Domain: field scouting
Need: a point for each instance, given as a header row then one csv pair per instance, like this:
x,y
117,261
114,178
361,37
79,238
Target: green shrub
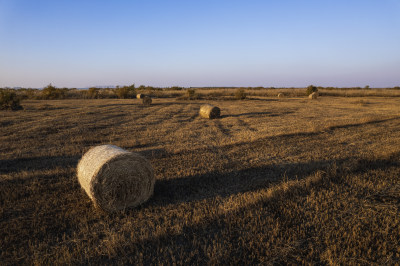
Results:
x,y
9,100
30,93
175,88
190,93
125,92
150,88
311,89
93,92
50,93
23,93
240,94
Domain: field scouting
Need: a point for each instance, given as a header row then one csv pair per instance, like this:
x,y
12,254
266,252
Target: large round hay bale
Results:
x,y
146,100
209,111
140,96
114,178
281,95
313,95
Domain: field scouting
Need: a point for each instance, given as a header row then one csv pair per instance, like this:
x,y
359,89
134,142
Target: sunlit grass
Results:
x,y
285,181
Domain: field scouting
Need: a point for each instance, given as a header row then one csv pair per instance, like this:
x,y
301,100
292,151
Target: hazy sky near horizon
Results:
x,y
286,43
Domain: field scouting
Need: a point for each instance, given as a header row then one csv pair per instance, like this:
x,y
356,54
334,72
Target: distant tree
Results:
x,y
125,92
190,93
149,88
240,94
93,92
50,92
30,93
310,89
176,88
9,100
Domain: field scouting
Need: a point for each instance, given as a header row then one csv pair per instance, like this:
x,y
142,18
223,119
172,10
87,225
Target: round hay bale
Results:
x,y
313,95
140,96
281,95
209,111
146,100
115,179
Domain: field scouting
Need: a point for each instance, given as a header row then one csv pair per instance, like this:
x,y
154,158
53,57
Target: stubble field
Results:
x,y
273,181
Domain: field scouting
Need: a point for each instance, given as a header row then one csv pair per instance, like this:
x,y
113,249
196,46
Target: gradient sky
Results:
x,y
281,43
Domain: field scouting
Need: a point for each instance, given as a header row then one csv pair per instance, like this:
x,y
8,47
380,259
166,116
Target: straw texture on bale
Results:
x,y
140,95
313,95
209,111
146,100
115,179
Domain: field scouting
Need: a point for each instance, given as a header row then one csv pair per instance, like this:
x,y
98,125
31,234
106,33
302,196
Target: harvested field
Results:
x,y
279,181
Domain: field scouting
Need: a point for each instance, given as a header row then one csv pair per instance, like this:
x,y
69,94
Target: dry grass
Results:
x,y
296,92
273,181
146,100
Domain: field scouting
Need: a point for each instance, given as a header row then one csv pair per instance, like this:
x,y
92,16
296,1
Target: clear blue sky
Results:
x,y
81,43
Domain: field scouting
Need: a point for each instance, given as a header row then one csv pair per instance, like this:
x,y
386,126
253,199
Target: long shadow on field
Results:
x,y
214,184
37,163
193,241
113,104
253,114
287,139
248,220
50,162
363,123
226,227
172,103
264,99
138,104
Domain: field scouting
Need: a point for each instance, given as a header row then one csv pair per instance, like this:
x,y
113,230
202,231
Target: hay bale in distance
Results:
x,y
114,178
140,96
281,95
313,95
146,100
209,111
